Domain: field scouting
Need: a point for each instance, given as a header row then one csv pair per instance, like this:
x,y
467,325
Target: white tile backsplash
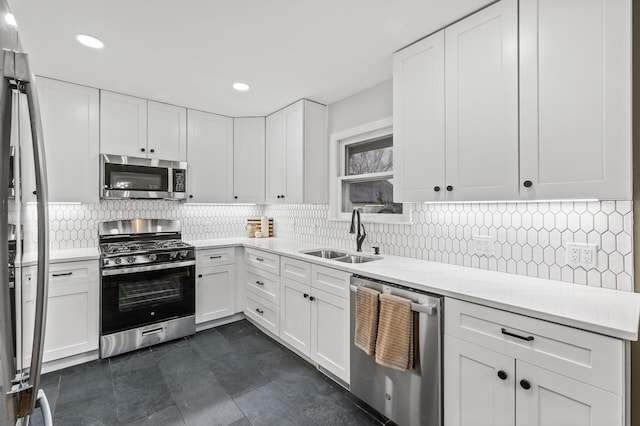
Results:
x,y
530,237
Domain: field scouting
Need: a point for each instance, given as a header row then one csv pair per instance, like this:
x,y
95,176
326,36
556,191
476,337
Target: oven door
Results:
x,y
138,296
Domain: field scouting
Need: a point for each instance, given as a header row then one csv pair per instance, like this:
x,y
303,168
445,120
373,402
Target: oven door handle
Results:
x,y
157,267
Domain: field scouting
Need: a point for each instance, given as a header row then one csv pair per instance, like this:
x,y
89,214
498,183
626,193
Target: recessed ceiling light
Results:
x,y
241,87
10,19
89,41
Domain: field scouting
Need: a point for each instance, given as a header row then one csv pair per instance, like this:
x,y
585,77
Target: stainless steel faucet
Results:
x,y
361,236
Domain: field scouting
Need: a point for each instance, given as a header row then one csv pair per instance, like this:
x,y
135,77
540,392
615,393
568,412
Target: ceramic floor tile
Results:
x,y
141,393
267,406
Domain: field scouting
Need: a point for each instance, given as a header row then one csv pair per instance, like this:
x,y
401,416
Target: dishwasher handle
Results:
x,y
416,307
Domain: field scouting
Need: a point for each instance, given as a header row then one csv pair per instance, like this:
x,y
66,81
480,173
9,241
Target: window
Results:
x,y
362,174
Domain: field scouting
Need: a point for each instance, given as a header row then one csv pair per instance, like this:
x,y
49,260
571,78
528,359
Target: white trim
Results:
x,y
337,141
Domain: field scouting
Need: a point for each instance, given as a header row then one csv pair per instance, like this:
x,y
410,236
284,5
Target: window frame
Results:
x,y
338,142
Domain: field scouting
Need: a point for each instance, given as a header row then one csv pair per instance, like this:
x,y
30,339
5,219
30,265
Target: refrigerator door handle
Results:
x,y
26,84
43,403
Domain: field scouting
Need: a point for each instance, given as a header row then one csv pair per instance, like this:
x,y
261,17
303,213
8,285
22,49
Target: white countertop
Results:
x,y
59,256
610,312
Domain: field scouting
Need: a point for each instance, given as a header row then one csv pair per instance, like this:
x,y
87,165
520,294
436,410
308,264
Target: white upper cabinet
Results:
x,y
123,124
167,132
298,154
210,157
139,128
418,121
481,63
575,99
70,121
249,160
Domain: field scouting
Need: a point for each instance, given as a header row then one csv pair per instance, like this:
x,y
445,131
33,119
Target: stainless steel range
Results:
x,y
147,285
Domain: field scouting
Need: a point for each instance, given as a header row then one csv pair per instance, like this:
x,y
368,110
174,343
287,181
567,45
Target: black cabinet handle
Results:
x,y
215,257
282,196
152,150
63,274
305,295
526,385
190,196
312,298
35,192
527,184
277,196
449,188
259,259
436,188
502,374
517,336
142,150
235,197
199,275
259,283
258,310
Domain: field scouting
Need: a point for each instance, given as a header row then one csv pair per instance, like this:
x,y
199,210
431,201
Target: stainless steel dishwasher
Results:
x,y
411,397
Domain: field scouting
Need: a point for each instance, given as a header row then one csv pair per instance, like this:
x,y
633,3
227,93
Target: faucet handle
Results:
x,y
376,249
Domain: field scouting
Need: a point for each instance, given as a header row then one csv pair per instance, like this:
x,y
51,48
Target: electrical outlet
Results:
x,y
585,255
483,244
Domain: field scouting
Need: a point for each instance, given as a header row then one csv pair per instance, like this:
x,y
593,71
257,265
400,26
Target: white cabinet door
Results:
x,y
295,315
167,132
215,293
210,157
575,99
553,399
330,332
481,62
70,122
249,160
123,124
474,394
275,164
72,310
418,121
293,119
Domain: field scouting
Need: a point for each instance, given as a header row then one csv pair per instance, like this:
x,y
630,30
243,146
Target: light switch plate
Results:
x,y
483,244
579,254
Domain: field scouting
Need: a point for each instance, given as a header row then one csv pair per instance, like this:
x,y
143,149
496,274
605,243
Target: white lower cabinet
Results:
x,y
215,284
506,369
313,321
330,332
262,284
72,310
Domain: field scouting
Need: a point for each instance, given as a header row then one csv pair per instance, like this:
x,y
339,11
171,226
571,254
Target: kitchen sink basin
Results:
x,y
355,259
340,256
325,254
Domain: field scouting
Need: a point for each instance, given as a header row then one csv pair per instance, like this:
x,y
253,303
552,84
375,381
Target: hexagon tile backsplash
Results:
x,y
530,237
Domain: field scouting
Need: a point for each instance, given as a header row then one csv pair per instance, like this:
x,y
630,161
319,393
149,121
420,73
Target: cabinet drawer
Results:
x,y
64,278
215,257
296,270
264,313
263,284
263,260
588,357
330,280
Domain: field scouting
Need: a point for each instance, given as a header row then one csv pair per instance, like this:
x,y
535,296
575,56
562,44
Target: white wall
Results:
x,y
372,104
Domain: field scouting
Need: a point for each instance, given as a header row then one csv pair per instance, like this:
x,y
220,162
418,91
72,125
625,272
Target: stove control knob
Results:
x,y
173,255
153,257
184,253
131,259
106,261
118,260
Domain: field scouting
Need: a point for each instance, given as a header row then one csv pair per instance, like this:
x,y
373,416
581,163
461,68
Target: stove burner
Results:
x,y
124,247
170,244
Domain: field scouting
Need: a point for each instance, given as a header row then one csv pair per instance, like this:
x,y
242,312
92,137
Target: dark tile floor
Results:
x,y
230,375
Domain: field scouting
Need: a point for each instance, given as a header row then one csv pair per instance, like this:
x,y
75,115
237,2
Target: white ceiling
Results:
x,y
189,52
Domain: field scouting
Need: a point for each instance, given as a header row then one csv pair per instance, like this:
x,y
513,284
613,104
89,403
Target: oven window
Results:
x,y
136,178
136,299
149,294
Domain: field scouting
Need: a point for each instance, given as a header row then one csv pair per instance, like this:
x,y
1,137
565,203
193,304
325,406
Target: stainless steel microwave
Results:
x,y
132,177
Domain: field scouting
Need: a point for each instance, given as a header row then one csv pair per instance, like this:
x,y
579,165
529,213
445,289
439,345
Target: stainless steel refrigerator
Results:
x,y
23,232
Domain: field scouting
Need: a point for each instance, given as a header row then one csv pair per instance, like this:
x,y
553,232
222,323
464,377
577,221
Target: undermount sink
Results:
x,y
325,254
340,256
